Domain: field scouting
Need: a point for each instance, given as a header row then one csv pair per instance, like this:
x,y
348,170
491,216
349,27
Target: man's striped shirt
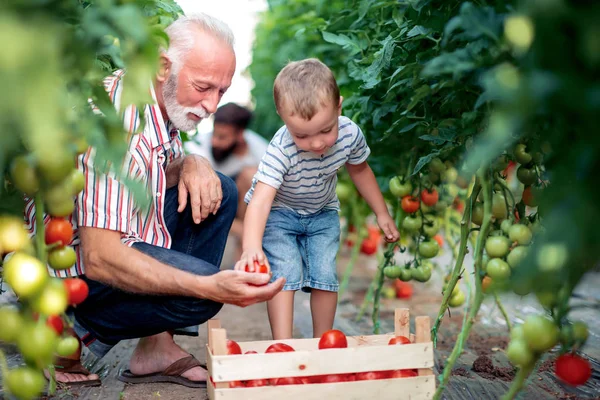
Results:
x,y
105,202
305,181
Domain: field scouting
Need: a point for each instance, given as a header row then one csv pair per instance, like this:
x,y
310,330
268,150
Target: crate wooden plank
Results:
x,y
320,362
402,322
423,334
418,388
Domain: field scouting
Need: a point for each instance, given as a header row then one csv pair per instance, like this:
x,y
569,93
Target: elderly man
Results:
x,y
153,272
233,150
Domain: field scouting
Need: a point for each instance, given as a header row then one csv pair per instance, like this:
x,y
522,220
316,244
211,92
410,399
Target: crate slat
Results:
x,y
418,388
320,362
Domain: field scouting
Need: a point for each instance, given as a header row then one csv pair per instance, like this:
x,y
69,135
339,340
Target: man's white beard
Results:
x,y
177,113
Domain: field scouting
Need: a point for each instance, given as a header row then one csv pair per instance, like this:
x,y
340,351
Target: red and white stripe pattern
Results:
x,y
105,202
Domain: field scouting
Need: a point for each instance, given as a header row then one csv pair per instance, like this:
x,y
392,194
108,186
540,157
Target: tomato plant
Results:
x,y
399,187
62,257
333,339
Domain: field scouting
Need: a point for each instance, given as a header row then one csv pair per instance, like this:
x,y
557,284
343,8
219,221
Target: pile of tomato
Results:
x,y
332,339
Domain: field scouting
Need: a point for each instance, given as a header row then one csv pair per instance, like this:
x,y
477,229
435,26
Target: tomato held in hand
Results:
x,y
257,268
60,231
279,348
410,204
333,339
399,340
77,290
430,197
573,369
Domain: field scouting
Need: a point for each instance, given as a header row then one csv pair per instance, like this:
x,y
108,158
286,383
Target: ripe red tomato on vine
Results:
x,y
58,230
410,204
430,197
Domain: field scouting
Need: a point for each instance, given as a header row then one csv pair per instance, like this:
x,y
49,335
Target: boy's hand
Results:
x,y
253,257
387,225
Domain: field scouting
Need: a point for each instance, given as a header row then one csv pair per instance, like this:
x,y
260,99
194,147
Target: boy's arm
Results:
x,y
255,220
364,179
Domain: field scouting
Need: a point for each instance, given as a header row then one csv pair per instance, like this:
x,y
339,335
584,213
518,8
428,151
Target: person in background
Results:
x,y
233,150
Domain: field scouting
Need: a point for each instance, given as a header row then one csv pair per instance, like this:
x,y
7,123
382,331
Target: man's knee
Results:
x,y
195,311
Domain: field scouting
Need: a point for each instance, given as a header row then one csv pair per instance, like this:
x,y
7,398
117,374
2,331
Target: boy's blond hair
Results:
x,y
303,87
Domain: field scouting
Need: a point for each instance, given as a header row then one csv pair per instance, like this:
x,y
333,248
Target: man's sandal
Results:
x,y
172,374
70,366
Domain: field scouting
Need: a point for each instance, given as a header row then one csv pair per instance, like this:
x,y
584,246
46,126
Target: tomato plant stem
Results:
x,y
503,311
484,179
389,255
362,234
517,383
40,244
460,258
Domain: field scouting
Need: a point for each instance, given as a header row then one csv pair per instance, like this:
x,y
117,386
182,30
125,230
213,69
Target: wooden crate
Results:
x,y
364,353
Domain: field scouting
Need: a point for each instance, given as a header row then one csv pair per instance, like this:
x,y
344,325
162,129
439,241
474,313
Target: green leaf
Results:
x,y
418,31
383,56
342,40
424,161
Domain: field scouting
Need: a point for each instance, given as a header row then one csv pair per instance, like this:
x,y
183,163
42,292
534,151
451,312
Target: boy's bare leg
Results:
x,y
281,314
322,306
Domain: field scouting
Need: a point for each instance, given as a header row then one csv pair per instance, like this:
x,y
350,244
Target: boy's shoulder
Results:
x,y
282,139
346,124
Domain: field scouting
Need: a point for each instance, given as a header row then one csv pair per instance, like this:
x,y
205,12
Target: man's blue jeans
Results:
x,y
109,315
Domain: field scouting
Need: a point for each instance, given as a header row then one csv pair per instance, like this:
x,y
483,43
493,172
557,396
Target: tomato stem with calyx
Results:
x,y
462,252
484,179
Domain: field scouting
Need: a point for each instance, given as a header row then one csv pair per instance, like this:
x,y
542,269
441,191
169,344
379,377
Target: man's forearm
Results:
x,y
133,271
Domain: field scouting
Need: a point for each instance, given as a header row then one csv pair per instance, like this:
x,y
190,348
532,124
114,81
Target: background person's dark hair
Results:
x,y
233,114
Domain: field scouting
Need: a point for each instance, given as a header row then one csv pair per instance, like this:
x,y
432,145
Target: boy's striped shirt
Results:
x,y
305,181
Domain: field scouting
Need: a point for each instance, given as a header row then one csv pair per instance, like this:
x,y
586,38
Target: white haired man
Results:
x,y
154,272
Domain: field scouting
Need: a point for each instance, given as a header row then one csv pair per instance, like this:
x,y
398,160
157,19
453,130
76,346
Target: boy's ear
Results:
x,y
340,105
164,68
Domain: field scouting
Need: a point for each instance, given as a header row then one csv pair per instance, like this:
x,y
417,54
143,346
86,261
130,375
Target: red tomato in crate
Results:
x,y
279,348
334,378
333,339
288,380
236,384
233,347
404,373
372,375
251,352
399,340
257,383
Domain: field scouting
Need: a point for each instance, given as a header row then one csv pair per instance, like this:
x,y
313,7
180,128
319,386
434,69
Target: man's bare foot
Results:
x,y
66,378
156,353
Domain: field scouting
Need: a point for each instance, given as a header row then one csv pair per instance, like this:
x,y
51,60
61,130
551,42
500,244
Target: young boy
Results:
x,y
293,209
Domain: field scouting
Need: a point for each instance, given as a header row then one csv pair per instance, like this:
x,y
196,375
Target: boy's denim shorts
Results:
x,y
303,248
